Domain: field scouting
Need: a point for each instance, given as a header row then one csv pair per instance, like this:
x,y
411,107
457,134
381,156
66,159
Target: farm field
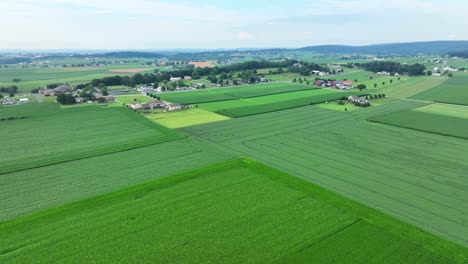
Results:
x,y
453,91
246,205
223,94
50,134
427,122
445,109
414,176
337,107
128,99
414,86
184,118
287,104
275,98
38,189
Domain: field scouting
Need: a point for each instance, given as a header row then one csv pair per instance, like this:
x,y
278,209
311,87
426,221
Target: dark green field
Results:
x,y
229,213
223,94
288,104
453,91
431,123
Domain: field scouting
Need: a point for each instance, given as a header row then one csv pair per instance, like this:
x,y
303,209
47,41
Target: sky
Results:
x,y
210,24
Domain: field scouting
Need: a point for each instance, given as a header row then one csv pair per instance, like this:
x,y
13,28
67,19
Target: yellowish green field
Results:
x,y
128,99
445,109
185,118
337,107
415,86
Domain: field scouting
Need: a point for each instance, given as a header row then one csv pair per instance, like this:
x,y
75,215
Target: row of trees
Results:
x,y
12,90
393,67
66,99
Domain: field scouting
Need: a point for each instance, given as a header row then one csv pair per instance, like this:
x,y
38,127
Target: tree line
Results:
x,y
393,67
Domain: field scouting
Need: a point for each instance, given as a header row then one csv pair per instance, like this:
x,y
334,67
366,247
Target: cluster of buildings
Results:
x,y
341,85
57,90
356,99
384,73
157,104
10,101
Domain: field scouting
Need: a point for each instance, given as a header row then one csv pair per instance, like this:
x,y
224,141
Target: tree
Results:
x,y
391,81
375,85
1,95
16,80
361,87
294,80
383,83
429,73
450,74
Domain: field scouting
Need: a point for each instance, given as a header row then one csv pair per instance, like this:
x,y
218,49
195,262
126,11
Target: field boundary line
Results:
x,y
88,157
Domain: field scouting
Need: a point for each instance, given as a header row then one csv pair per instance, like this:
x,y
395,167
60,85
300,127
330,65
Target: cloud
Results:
x,y
244,36
99,12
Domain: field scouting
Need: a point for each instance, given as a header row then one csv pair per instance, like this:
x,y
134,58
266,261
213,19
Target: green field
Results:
x,y
282,105
128,99
427,122
227,213
445,109
417,177
275,98
453,91
49,134
184,118
232,93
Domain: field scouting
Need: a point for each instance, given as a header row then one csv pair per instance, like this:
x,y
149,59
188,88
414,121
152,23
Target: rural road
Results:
x,y
38,98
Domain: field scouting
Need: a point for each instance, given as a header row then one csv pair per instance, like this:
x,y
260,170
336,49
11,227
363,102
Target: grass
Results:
x,y
453,91
337,107
50,134
417,177
287,104
128,99
445,109
236,209
427,122
184,118
415,86
232,93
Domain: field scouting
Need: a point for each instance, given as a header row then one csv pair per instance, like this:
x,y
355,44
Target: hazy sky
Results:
x,y
154,24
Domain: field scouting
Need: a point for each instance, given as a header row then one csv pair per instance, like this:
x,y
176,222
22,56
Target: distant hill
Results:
x,y
411,48
461,53
131,54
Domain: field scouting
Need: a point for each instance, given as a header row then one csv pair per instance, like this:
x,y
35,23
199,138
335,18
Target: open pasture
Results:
x,y
417,177
184,118
128,99
230,212
50,134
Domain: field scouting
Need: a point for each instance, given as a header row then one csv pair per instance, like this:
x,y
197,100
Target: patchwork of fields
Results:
x,y
236,209
417,177
432,123
92,183
223,94
49,134
452,91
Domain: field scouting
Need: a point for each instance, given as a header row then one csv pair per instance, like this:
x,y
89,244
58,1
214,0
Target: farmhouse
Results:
x,y
62,89
107,98
357,99
8,101
145,89
188,78
173,107
24,100
150,105
384,73
450,69
175,79
47,92
344,85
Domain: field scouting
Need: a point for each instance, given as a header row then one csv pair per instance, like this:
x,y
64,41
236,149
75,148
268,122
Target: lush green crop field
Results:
x,y
30,191
282,105
49,134
184,118
445,109
231,212
427,122
222,94
223,105
453,91
414,86
415,176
